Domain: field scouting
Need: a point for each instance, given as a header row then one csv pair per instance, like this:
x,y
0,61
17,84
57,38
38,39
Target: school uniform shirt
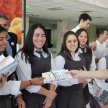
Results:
x,y
101,50
102,64
24,69
10,87
106,42
75,29
59,63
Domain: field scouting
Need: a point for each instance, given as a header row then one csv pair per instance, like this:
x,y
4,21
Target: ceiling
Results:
x,y
53,10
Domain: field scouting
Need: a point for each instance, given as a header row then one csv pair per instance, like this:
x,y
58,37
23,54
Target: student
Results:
x,y
87,53
84,22
102,49
11,47
34,59
70,93
11,87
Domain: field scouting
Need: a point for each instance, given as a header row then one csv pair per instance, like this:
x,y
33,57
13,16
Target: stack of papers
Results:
x,y
8,64
99,90
56,76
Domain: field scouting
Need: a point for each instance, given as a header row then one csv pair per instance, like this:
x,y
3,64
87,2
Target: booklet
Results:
x,y
99,90
8,64
56,76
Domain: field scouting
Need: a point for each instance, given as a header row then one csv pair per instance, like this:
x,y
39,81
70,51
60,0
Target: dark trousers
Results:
x,y
7,101
94,103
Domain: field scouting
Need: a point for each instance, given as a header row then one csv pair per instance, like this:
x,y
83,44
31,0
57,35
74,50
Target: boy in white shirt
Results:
x,y
84,22
102,49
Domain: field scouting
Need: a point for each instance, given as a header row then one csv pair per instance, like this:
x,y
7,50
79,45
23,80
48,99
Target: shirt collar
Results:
x,y
76,55
37,50
77,27
8,37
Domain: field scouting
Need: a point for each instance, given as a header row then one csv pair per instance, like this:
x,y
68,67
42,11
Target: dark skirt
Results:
x,y
86,94
34,100
70,97
7,101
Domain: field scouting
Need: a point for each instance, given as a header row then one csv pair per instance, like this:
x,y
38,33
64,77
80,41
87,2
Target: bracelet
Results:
x,y
19,96
30,82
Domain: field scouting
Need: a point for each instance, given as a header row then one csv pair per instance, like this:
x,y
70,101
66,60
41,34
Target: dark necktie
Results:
x,y
40,52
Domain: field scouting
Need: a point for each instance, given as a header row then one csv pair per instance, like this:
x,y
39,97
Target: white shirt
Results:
x,y
101,50
10,87
59,63
102,63
92,65
106,42
24,70
75,29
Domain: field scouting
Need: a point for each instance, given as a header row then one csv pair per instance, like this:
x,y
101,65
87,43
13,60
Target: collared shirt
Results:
x,y
45,55
75,29
106,42
101,50
8,47
102,64
24,69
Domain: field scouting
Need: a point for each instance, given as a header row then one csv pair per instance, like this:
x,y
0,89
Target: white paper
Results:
x,y
8,64
99,90
56,76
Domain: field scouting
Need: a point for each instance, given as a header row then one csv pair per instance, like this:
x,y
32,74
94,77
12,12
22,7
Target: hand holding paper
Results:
x,y
56,76
8,64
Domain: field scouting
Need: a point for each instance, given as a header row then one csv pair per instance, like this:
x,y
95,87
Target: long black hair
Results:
x,y
88,49
28,47
64,48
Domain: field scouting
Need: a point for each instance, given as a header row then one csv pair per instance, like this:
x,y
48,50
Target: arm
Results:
x,y
24,74
34,81
99,74
47,102
93,45
92,65
97,60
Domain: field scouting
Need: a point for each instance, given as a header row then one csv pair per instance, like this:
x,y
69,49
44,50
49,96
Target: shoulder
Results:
x,y
102,61
12,35
75,29
19,55
59,58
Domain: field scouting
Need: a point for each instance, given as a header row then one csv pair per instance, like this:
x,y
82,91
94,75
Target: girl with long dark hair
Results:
x,y
70,93
87,53
34,59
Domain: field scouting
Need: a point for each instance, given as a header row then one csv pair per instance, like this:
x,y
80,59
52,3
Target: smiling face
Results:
x,y
3,41
82,38
39,38
72,43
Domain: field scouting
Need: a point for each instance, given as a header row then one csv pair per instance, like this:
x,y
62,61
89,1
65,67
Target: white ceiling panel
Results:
x,y
66,9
